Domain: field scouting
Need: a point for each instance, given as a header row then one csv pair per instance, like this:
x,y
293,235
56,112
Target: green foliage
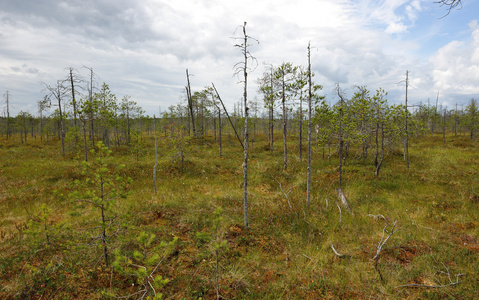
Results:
x,y
284,253
137,146
472,117
143,264
177,139
39,227
100,189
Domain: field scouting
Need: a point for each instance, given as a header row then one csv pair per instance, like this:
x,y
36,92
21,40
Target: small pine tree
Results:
x,y
100,190
143,265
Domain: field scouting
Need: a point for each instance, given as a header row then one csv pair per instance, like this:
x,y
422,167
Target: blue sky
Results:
x,y
142,48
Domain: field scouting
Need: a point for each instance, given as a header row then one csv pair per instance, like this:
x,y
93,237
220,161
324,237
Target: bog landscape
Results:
x,y
101,223
287,197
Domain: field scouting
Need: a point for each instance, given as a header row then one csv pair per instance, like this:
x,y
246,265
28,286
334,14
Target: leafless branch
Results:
x,y
336,252
285,194
450,4
383,241
339,212
451,283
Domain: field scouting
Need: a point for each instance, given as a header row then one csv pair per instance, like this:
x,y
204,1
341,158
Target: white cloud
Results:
x,y
456,66
142,48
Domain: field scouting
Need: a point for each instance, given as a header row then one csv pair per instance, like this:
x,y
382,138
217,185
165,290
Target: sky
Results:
x,y
142,48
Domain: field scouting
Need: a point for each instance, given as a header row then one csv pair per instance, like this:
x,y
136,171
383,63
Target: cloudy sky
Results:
x,y
142,48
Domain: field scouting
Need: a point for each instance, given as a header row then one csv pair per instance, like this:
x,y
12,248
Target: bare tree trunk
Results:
x,y
219,132
406,140
61,119
308,196
92,112
7,98
284,126
243,67
73,98
444,125
271,128
190,104
103,219
341,139
84,142
378,162
245,163
156,154
301,127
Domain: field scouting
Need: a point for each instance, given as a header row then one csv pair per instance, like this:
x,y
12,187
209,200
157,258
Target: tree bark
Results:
x,y
308,195
285,147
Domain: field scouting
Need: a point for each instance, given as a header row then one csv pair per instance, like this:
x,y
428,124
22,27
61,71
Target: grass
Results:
x,y
286,253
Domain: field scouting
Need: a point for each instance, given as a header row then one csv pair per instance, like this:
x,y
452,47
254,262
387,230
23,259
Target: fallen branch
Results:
x,y
285,194
451,283
336,252
339,212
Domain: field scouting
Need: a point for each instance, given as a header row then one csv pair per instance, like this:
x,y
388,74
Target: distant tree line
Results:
x,y
101,116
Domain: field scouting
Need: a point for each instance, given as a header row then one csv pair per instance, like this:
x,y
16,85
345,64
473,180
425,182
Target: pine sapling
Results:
x,y
143,265
100,190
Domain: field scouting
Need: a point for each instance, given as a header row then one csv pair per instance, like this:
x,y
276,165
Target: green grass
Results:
x,y
286,253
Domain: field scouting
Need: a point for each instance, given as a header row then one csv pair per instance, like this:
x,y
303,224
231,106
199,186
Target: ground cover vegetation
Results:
x,y
100,201
90,225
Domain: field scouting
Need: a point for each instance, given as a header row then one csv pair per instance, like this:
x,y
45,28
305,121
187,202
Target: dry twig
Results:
x,y
451,283
383,241
336,252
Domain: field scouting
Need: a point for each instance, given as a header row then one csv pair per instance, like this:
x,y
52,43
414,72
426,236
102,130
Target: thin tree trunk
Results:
x,y
227,115
62,133
284,127
103,220
85,149
308,196
73,98
406,140
190,104
245,164
219,132
156,154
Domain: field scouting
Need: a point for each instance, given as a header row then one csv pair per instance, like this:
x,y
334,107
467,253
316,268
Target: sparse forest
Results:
x,y
292,196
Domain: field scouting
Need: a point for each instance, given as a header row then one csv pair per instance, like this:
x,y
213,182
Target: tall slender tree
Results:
x,y
266,87
43,105
406,115
285,76
59,92
7,100
310,96
242,67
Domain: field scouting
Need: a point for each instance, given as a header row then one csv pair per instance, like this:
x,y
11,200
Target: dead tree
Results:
x,y
219,120
228,116
190,103
92,112
341,108
406,114
72,79
7,99
308,193
156,154
58,92
242,67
